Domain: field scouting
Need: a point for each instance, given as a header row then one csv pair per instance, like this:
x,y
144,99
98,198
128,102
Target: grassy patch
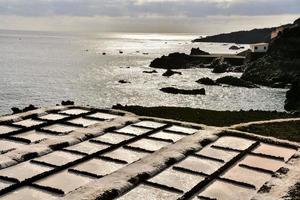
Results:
x,y
283,130
201,116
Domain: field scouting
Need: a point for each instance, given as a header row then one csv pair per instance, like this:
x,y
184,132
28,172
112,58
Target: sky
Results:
x,y
157,16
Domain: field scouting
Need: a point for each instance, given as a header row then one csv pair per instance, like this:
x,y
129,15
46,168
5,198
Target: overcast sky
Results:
x,y
186,16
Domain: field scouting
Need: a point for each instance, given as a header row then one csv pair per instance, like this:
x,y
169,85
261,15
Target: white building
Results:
x,y
259,47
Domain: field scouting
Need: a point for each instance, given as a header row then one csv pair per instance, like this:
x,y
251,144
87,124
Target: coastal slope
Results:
x,y
240,37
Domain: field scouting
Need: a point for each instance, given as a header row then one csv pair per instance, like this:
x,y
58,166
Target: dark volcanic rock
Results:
x,y
281,64
67,103
123,81
234,81
234,47
28,108
169,73
292,101
207,81
150,72
173,90
175,61
219,66
197,51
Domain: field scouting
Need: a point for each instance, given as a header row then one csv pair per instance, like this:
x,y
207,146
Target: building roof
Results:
x,y
69,152
262,43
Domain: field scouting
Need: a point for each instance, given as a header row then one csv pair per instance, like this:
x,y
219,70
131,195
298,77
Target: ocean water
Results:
x,y
44,68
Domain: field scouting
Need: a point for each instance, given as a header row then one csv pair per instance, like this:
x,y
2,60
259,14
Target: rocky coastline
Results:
x,y
279,67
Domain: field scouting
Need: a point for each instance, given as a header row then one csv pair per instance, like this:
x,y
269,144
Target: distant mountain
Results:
x,y
244,37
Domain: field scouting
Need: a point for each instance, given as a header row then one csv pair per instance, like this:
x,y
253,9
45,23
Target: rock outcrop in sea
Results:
x,y
235,81
173,90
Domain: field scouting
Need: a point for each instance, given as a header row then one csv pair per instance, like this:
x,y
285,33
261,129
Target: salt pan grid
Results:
x,y
70,149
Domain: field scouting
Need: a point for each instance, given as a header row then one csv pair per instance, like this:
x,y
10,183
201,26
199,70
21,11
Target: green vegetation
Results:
x,y
283,130
201,116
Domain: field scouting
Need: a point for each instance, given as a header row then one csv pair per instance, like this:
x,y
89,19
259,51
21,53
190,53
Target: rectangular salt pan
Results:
x,y
58,158
7,145
249,176
7,129
133,130
126,155
148,144
176,179
235,143
182,129
262,163
60,128
112,138
200,165
65,181
211,152
149,193
24,171
150,124
74,111
35,136
29,123
84,122
104,116
53,117
88,147
28,193
98,167
276,151
167,136
226,191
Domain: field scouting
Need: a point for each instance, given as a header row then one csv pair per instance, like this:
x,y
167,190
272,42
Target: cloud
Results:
x,y
204,16
135,8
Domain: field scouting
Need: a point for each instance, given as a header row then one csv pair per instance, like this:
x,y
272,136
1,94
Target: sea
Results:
x,y
44,68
